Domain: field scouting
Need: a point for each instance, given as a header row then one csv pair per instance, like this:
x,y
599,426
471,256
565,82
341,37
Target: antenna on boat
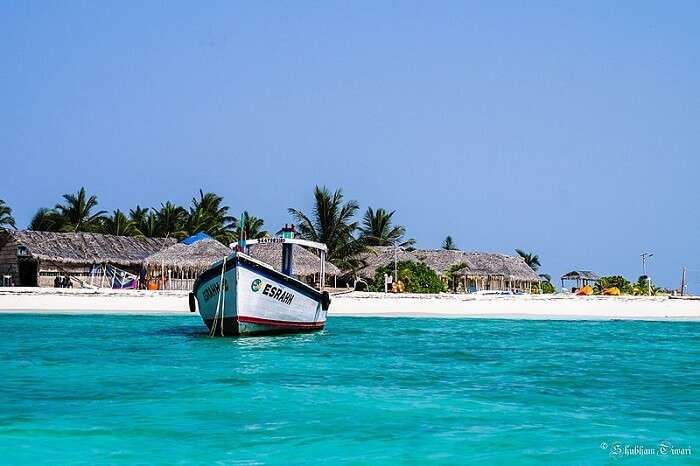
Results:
x,y
241,232
287,250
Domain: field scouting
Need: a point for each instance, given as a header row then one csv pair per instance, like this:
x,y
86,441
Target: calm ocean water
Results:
x,y
157,390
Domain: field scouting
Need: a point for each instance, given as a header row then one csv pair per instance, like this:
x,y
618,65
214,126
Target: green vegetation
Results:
x,y
207,214
451,276
77,213
547,288
6,219
644,286
377,229
532,260
614,281
449,244
331,222
416,278
119,224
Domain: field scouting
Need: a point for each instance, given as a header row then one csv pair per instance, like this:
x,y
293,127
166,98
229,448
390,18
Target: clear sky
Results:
x,y
571,129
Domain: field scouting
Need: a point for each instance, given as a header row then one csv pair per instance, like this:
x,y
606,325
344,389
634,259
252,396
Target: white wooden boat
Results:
x,y
240,295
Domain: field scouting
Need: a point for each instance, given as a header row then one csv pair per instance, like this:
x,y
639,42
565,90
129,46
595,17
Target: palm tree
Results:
x,y
76,213
120,225
149,226
6,219
170,220
46,220
377,230
253,227
209,215
449,244
331,223
138,215
532,260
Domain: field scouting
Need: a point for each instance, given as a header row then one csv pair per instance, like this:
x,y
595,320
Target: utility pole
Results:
x,y
645,256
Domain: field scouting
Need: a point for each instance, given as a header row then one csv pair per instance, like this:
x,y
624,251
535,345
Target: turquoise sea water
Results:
x,y
157,390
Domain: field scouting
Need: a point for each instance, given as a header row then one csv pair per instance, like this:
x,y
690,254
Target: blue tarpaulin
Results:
x,y
196,237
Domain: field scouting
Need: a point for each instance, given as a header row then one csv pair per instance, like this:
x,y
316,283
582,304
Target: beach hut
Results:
x,y
178,266
475,271
379,256
490,271
305,264
36,258
440,260
581,277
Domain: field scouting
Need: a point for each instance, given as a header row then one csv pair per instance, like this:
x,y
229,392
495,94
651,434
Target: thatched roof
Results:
x,y
481,264
196,256
477,264
581,274
440,260
87,248
304,263
379,256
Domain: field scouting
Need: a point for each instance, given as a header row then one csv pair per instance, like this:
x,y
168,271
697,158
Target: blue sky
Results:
x,y
570,129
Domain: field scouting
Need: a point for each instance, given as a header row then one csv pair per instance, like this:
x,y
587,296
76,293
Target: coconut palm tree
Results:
x,y
76,213
138,215
120,225
532,260
331,223
449,244
209,215
377,230
149,226
6,219
46,220
170,220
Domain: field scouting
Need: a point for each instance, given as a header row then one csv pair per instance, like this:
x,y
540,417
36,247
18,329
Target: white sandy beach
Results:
x,y
78,301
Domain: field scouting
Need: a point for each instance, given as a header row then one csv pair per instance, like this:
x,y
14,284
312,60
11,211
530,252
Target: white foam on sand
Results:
x,y
82,301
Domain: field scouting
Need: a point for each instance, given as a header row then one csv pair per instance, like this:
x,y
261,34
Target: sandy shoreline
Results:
x,y
79,301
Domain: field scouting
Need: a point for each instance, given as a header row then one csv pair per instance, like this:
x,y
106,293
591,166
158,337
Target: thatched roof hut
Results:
x,y
83,248
581,277
380,256
477,264
304,262
37,258
440,260
480,264
194,257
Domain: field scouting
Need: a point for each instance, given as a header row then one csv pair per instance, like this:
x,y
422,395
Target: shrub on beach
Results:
x,y
547,288
416,278
614,281
643,286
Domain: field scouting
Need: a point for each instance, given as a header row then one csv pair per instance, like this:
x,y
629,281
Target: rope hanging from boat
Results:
x,y
220,303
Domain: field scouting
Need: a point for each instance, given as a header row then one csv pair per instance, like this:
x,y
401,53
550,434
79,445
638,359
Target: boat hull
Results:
x,y
257,299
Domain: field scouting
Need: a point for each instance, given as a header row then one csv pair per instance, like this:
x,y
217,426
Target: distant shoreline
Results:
x,y
356,304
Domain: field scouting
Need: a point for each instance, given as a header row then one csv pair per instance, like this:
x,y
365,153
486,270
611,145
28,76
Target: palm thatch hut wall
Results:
x,y
475,271
178,266
306,265
35,258
380,256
